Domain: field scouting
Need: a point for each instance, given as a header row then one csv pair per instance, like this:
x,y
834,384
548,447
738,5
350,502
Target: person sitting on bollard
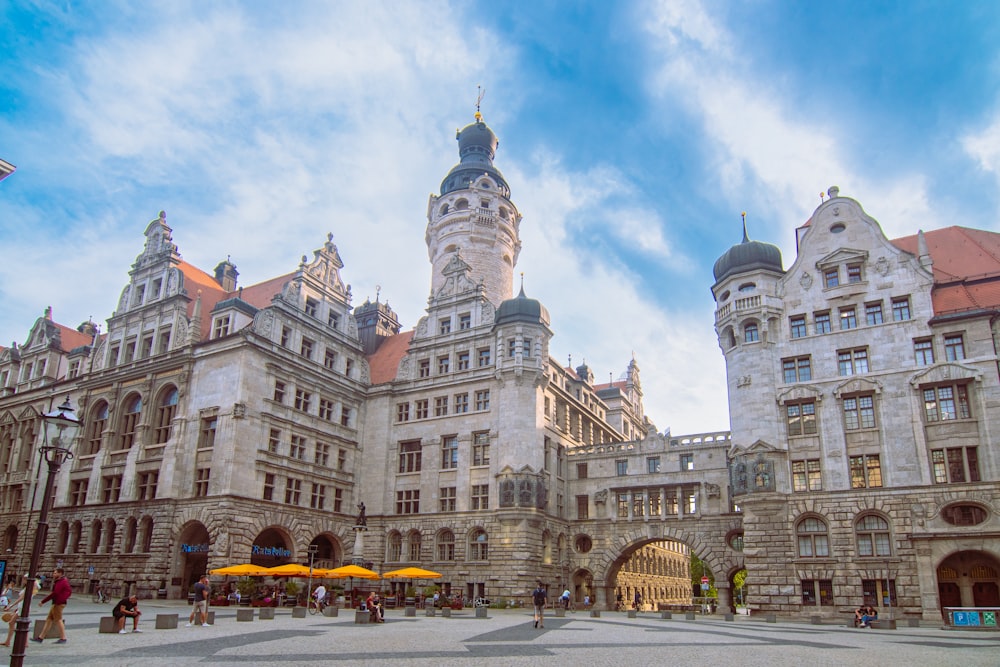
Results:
x,y
127,607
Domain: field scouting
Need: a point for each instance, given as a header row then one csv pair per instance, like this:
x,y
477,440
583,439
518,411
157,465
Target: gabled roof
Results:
x,y
70,339
384,363
966,267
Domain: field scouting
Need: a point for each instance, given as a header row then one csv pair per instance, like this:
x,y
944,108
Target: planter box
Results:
x,y
729,617
689,616
429,611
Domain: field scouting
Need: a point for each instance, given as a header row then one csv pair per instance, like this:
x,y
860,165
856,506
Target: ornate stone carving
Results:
x,y
806,280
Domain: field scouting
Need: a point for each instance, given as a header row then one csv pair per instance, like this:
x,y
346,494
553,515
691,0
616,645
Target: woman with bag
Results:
x,y
10,611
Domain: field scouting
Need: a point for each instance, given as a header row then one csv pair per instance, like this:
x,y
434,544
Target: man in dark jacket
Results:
x,y
538,597
61,592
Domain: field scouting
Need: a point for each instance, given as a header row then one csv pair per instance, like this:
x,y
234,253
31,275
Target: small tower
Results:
x,y
376,322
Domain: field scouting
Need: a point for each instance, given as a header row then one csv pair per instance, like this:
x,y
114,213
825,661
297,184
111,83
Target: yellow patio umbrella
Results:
x,y
412,573
290,570
355,571
243,570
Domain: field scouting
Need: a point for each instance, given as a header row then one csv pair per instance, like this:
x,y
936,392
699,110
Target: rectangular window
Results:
x,y
581,471
806,476
687,462
464,322
78,492
333,320
317,499
655,508
481,449
480,497
409,456
279,391
312,306
798,325
859,412
424,368
146,348
946,403
449,452
421,408
526,348
901,309
148,482
201,482
286,336
848,318
273,441
338,500
483,356
330,359
954,347
873,313
866,471
653,464
268,493
440,406
853,273
345,416
797,370
293,491
461,403
817,592
402,412
303,400
408,502
511,347
444,365
348,367
801,418
879,592
341,459
621,467
447,498
923,351
852,362
482,400
206,435
463,361
297,447
583,507
321,455
955,465
822,322
831,277
622,504
444,325
326,409
163,342
638,504
306,348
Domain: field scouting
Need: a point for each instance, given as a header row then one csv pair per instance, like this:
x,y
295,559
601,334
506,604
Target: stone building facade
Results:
x,y
864,402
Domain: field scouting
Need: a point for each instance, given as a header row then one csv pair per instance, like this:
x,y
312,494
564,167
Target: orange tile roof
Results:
x,y
71,338
261,294
196,280
966,267
384,364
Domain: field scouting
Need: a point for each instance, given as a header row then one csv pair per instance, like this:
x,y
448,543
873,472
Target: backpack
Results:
x,y
538,597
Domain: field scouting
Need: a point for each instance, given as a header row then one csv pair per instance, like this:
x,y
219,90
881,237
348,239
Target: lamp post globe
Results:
x,y
59,431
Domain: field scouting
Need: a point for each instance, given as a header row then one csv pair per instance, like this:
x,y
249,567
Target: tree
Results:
x,y
699,570
739,581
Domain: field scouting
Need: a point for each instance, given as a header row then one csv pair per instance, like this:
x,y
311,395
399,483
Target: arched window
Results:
x,y
413,541
461,205
478,545
394,550
146,534
813,539
96,529
130,420
131,531
165,411
872,532
95,428
446,545
109,536
444,209
750,333
63,540
75,537
10,539
547,547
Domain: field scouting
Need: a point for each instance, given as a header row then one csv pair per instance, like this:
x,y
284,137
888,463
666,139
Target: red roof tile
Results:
x,y
71,338
384,364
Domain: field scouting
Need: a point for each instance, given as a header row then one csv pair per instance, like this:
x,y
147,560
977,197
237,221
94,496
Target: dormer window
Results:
x,y
853,273
831,277
220,327
140,295
312,306
154,293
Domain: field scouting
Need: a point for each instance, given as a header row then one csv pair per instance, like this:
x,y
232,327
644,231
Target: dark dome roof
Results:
x,y
522,309
747,256
477,145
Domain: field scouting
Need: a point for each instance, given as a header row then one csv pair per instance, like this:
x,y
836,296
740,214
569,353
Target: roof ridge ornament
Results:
x,y
479,101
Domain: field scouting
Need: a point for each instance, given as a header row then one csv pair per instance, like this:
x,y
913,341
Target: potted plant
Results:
x,y
292,590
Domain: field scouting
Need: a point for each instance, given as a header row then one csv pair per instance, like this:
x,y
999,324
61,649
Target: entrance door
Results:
x,y
950,595
986,594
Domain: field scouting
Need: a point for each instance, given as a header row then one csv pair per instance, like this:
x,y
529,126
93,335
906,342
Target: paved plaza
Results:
x,y
506,637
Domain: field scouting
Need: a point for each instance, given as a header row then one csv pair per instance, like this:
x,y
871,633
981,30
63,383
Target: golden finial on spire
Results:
x,y
479,101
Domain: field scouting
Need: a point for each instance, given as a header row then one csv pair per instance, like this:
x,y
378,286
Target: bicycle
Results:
x,y
316,606
100,596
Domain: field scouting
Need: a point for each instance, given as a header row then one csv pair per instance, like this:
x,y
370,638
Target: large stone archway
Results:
x,y
192,562
969,579
271,547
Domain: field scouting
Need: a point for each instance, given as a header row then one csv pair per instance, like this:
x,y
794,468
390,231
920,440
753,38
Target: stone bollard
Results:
x,y
298,612
362,617
632,613
107,627
666,615
244,614
560,612
595,613
815,620
331,611
266,613
166,621
480,612
210,618
770,618
729,617
409,611
689,616
429,611
446,612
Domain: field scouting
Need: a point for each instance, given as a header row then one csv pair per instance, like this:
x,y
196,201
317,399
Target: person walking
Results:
x,y
127,607
10,611
201,591
61,592
538,597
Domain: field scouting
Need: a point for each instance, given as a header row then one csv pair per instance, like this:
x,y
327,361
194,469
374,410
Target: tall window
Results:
x,y
901,309
449,452
312,306
330,359
444,325
806,476
872,533
321,455
750,333
130,421
873,313
954,347
463,361
306,348
798,325
421,408
333,320
652,464
303,400
817,592
461,403
583,507
831,277
801,418
946,402
483,355
866,471
440,406
268,493
622,504
273,440
687,462
581,471
822,321
408,501
402,412
286,336
345,415
482,400
201,482
813,538
317,499
325,409
424,368
464,322
409,456
859,412
147,485
797,370
293,491
480,497
95,429
446,545
955,465
848,318
853,273
413,546
621,467
852,362
481,448
447,498
206,435
297,447
478,545
923,351
279,391
78,492
221,326
444,365
165,412
394,552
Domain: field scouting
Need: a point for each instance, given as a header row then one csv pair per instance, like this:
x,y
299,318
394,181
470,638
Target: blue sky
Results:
x,y
632,135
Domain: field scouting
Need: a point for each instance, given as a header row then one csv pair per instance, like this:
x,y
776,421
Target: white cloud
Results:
x,y
984,147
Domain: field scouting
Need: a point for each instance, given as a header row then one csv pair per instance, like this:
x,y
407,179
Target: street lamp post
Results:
x,y
313,548
59,430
